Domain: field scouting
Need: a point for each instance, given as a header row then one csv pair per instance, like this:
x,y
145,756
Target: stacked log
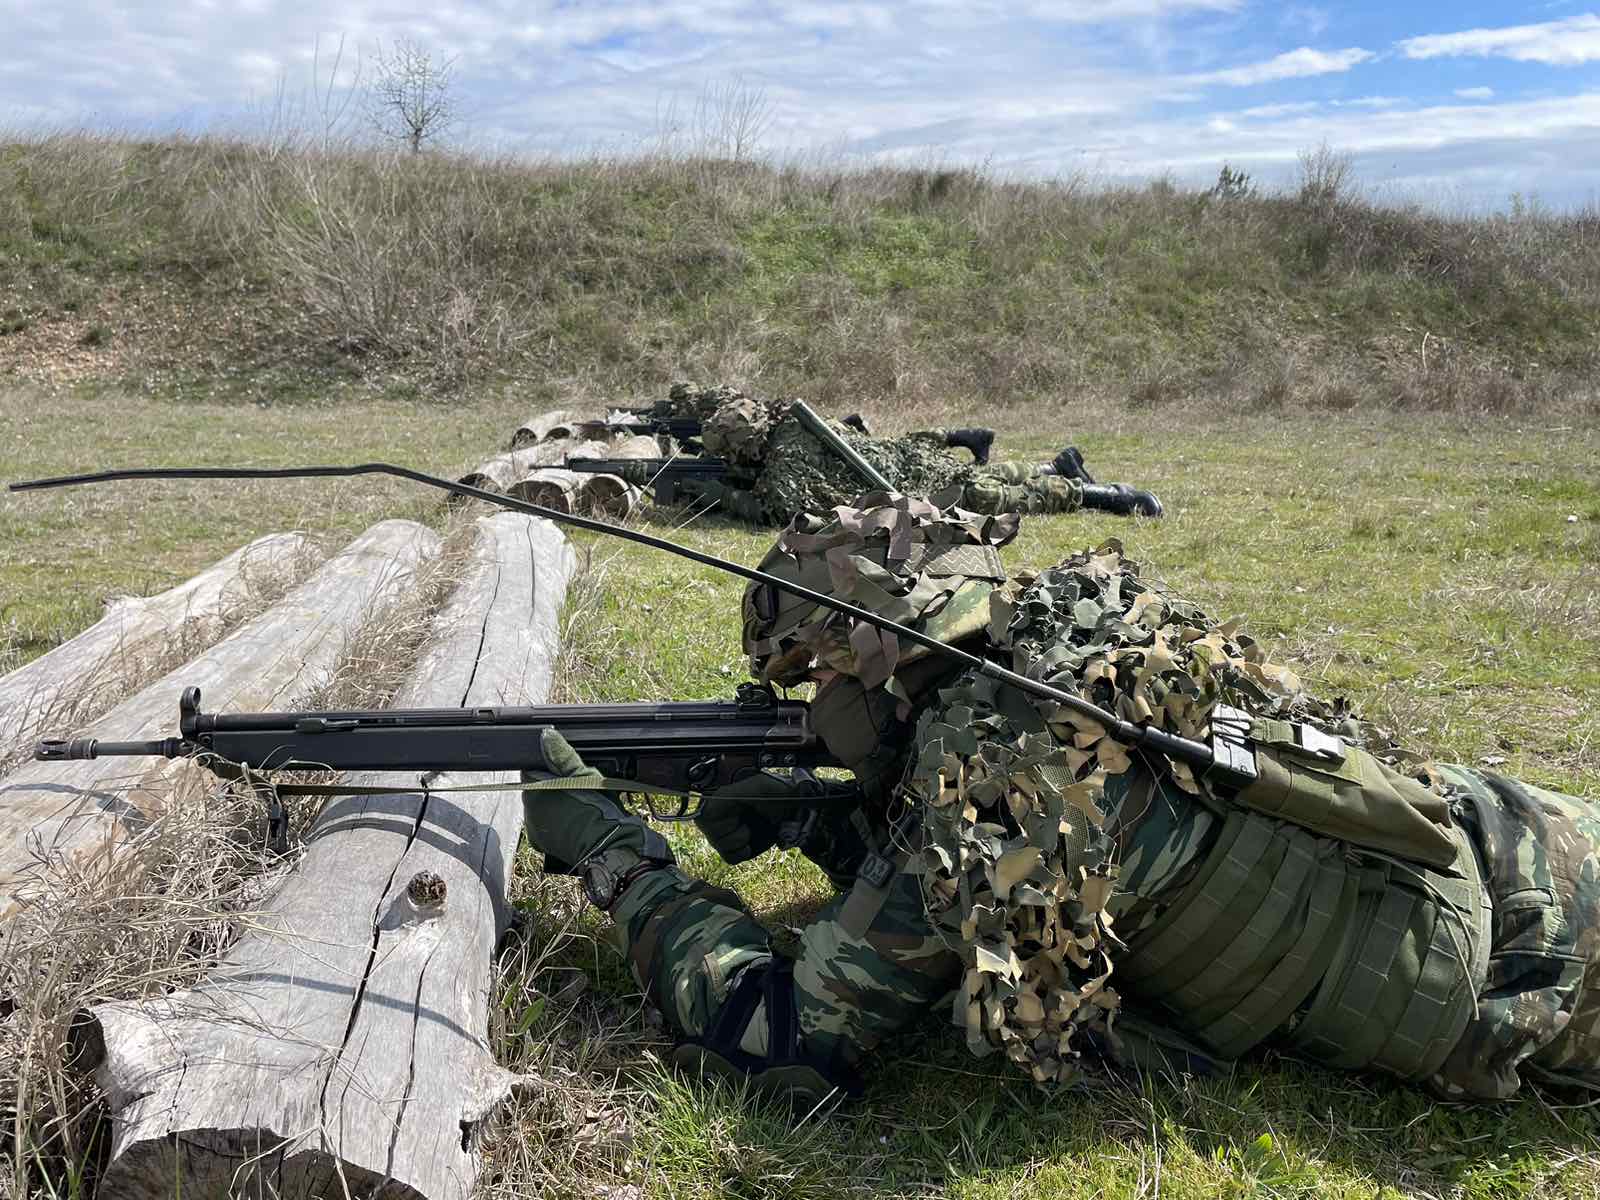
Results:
x,y
341,1046
74,815
497,474
585,492
83,677
553,488
546,426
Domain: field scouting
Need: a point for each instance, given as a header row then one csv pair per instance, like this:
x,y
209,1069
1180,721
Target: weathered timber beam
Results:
x,y
98,666
73,815
341,1046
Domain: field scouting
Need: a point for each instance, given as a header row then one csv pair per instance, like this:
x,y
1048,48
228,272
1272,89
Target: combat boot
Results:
x,y
1069,463
1120,499
976,440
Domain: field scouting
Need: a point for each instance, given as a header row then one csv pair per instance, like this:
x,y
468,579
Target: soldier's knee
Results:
x,y
756,1036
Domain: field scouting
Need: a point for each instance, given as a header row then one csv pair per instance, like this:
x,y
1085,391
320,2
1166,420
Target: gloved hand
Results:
x,y
571,825
745,818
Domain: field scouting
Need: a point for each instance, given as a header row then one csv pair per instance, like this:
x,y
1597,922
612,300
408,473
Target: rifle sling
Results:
x,y
562,783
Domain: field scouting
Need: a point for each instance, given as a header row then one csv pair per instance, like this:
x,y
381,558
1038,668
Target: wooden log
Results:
x,y
74,815
497,474
608,496
342,1043
551,487
583,448
83,677
554,425
638,445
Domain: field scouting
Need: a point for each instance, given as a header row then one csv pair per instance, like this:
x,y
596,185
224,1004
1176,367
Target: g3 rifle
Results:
x,y
676,749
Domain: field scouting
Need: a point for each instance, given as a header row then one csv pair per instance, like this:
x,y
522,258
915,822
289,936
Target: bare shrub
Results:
x,y
1327,176
380,255
730,118
410,97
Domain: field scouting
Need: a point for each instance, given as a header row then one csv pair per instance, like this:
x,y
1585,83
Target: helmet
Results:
x,y
900,557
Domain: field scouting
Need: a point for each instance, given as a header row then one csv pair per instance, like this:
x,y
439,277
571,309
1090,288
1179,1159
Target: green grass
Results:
x,y
1425,566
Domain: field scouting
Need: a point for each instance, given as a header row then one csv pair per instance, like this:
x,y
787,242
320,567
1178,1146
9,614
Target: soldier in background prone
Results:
x,y
777,466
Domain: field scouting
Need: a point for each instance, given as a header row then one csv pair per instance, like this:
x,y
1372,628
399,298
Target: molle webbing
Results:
x,y
1246,941
1405,979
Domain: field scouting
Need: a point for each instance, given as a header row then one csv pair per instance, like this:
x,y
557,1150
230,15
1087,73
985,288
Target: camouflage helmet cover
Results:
x,y
894,555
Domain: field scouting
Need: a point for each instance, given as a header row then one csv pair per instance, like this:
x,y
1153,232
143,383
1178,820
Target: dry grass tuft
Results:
x,y
151,919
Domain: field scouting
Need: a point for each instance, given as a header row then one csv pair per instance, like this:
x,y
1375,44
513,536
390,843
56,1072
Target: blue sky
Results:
x,y
1457,104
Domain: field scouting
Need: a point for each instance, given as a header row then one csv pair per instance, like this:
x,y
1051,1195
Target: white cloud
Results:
x,y
1476,93
1559,43
1263,112
1041,86
1294,64
1369,102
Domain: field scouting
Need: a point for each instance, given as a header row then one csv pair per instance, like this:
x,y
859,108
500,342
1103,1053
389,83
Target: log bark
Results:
x,y
74,815
341,1047
98,666
546,426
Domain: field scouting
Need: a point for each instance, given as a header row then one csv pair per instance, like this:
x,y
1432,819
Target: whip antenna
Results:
x,y
1196,754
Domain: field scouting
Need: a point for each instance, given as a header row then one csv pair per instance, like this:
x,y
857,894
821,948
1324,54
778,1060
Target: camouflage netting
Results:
x,y
804,475
1017,865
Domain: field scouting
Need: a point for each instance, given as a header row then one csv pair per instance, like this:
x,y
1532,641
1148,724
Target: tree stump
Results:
x,y
73,815
95,667
340,1049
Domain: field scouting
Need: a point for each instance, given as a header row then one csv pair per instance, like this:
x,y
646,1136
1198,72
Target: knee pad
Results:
x,y
781,1070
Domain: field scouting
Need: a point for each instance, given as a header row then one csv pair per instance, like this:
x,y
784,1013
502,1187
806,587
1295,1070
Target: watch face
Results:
x,y
599,885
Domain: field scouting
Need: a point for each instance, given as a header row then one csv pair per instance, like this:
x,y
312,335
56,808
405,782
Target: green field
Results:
x,y
1430,569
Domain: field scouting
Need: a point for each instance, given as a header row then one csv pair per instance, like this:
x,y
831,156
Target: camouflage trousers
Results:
x,y
688,943
1538,1012
1539,1009
1019,488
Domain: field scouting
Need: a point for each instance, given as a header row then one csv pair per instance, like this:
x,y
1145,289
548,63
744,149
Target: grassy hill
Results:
x,y
207,268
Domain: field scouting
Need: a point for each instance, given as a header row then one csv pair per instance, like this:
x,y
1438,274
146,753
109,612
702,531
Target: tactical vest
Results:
x,y
1339,906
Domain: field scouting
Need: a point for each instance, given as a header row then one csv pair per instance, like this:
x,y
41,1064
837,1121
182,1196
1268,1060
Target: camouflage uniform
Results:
x,y
1038,866
777,468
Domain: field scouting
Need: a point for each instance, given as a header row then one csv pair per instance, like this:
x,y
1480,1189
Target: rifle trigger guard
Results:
x,y
683,811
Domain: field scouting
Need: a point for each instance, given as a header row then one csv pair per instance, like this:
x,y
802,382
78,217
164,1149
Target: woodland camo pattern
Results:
x,y
1042,846
776,468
